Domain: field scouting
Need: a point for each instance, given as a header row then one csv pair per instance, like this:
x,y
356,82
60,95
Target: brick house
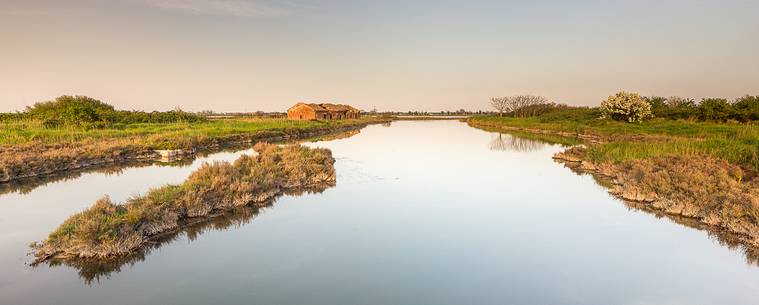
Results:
x,y
325,111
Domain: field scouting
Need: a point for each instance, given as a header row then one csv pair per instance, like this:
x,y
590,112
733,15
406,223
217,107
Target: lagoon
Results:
x,y
424,212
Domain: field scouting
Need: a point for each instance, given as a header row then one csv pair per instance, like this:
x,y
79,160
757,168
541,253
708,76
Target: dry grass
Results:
x,y
108,229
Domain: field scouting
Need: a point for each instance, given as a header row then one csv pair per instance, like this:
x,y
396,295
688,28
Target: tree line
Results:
x,y
83,111
632,107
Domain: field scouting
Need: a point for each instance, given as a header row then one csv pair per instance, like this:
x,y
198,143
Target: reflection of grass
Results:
x,y
736,143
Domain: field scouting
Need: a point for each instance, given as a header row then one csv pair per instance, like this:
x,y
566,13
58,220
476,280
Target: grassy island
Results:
x,y
109,230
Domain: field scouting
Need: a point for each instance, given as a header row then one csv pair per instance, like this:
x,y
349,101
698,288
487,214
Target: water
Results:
x,y
425,212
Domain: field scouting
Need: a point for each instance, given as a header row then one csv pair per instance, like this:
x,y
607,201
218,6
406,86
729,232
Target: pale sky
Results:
x,y
248,55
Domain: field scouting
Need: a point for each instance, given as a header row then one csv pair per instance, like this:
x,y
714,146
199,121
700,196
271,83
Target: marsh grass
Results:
x,y
108,229
734,142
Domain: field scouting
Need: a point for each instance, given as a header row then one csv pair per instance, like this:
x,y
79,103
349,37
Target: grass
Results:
x,y
21,132
27,149
734,142
108,229
702,170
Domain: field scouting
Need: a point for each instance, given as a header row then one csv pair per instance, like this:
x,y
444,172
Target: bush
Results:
x,y
576,114
746,108
624,106
659,106
715,109
87,112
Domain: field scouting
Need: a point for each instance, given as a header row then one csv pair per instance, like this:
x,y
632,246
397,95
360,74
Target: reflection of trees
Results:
x,y
507,142
732,241
95,269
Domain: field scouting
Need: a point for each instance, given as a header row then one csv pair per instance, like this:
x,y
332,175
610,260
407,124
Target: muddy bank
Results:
x,y
706,190
26,162
111,231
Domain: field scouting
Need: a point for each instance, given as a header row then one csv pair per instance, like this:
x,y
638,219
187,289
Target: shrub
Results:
x,y
659,106
681,108
624,106
746,108
575,114
715,109
87,112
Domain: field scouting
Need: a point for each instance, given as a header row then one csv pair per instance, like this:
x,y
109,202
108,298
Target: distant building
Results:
x,y
325,111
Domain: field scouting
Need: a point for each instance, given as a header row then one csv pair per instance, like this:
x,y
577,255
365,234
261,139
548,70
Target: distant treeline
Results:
x,y
83,111
743,109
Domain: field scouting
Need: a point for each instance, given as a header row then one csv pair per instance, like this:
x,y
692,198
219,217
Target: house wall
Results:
x,y
301,113
305,112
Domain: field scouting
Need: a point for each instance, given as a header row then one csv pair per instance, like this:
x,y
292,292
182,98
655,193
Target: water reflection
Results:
x,y
508,142
26,185
412,199
93,270
730,240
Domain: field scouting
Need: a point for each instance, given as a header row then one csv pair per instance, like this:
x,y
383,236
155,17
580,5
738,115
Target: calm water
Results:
x,y
429,212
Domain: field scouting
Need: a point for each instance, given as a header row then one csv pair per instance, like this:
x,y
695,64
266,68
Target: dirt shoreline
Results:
x,y
50,160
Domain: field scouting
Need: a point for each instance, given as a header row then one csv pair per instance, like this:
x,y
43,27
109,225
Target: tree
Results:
x,y
518,105
500,104
524,105
747,108
624,106
715,109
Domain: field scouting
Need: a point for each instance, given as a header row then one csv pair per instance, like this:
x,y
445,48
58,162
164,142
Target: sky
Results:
x,y
249,55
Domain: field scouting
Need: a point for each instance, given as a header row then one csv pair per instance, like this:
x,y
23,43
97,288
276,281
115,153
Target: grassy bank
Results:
x,y
737,143
108,230
705,171
158,135
29,149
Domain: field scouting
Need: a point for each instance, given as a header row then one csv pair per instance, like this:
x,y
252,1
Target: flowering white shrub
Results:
x,y
624,106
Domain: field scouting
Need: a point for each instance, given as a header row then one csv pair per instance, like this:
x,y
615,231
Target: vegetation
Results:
x,y
108,230
624,106
737,143
698,160
732,141
743,109
87,112
709,190
30,146
518,105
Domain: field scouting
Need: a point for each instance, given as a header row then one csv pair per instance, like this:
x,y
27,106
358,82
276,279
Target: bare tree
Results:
x,y
523,105
518,105
511,143
500,104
